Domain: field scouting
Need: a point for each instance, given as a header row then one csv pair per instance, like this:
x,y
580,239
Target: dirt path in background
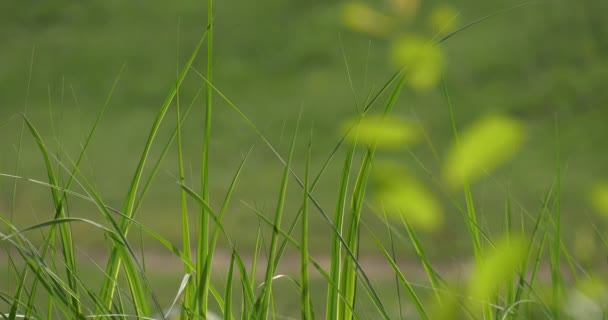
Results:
x,y
375,267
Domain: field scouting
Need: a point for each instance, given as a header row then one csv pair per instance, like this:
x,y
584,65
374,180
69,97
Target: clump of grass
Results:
x,y
503,284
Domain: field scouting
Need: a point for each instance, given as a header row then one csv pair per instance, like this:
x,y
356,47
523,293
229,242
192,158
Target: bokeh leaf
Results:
x,y
446,304
383,132
483,147
359,17
402,196
422,60
444,20
599,198
497,268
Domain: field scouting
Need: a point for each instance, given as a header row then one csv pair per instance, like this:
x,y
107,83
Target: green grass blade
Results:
x,y
133,270
472,223
406,284
216,220
475,22
510,295
216,231
348,281
60,205
313,262
434,279
389,231
113,265
262,308
20,152
189,290
556,275
538,226
228,290
62,294
203,231
348,278
304,277
14,306
65,231
247,285
336,252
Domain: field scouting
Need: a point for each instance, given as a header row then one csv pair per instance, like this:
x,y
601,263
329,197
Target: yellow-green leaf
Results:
x,y
383,132
422,60
483,147
444,19
361,18
445,305
497,268
599,198
402,196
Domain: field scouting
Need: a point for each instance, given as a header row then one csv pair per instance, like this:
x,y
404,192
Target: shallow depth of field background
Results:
x,y
543,63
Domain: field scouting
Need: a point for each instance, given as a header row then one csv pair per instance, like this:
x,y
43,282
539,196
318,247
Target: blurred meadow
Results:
x,y
544,63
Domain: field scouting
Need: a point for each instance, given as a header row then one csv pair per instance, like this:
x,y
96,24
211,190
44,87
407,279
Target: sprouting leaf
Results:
x,y
383,132
599,198
402,196
361,18
483,147
422,60
444,19
497,268
405,8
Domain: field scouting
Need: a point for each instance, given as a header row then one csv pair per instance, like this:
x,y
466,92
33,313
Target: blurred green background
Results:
x,y
542,62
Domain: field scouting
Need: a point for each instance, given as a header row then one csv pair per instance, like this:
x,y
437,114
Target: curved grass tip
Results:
x,y
444,20
422,60
382,132
497,268
359,17
599,198
403,197
483,147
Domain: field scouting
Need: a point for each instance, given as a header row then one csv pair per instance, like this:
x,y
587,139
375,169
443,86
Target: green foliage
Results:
x,y
422,60
443,20
382,132
483,147
498,268
403,197
48,279
599,198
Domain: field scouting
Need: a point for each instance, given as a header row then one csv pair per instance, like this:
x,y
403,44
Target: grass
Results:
x,y
74,82
506,277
